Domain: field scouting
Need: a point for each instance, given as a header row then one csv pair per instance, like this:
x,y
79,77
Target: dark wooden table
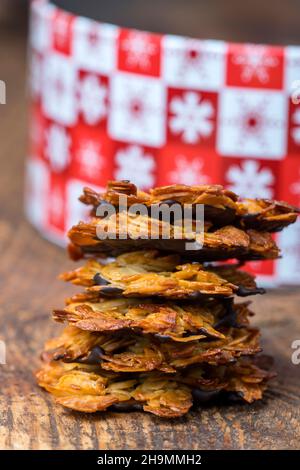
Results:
x,y
29,289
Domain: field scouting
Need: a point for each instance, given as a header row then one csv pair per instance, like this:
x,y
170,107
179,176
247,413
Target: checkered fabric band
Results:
x,y
115,103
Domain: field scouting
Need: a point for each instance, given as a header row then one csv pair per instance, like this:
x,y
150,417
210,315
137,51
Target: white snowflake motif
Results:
x,y
90,157
188,172
296,130
256,62
94,46
139,50
193,61
58,147
250,181
59,88
135,165
196,64
93,96
192,117
194,57
252,123
137,109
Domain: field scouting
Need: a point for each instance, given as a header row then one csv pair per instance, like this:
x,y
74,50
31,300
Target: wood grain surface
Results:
x,y
29,290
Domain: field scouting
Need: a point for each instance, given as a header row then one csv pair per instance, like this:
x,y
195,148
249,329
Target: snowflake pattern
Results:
x,y
252,123
93,95
58,147
256,62
95,46
250,181
102,99
139,50
191,63
193,58
59,95
192,117
137,110
136,165
188,172
90,158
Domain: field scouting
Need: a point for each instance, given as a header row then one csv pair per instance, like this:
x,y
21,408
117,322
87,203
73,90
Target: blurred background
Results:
x,y
21,119
262,21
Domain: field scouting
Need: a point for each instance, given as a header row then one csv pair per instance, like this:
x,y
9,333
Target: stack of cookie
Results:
x,y
158,325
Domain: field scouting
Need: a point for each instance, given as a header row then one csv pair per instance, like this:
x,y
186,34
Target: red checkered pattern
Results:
x,y
113,103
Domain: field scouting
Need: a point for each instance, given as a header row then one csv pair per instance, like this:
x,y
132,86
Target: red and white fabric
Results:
x,y
115,103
